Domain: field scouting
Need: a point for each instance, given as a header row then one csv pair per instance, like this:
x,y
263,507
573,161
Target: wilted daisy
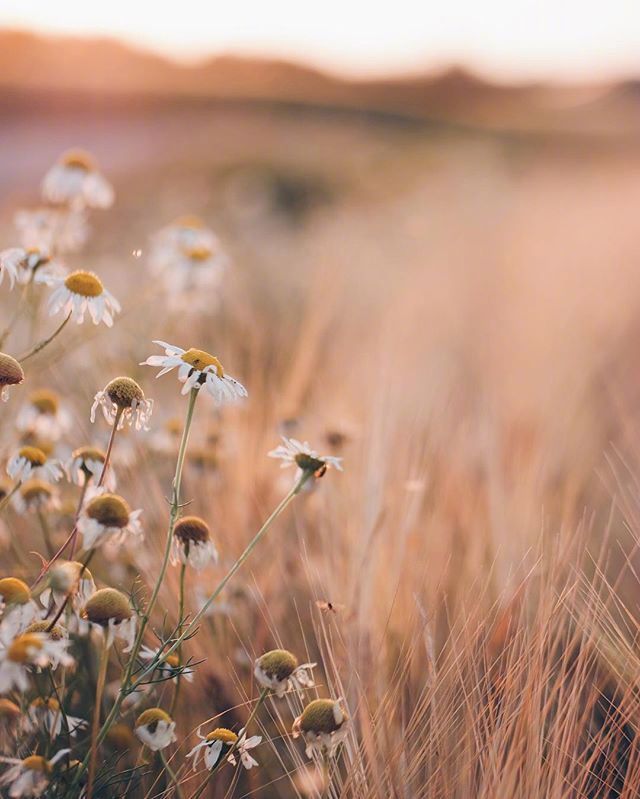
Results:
x,y
123,398
35,495
31,263
192,543
28,650
155,728
46,713
195,369
279,671
76,180
323,724
221,741
31,776
16,606
295,453
31,462
107,517
68,579
81,292
43,416
11,374
86,464
110,611
169,668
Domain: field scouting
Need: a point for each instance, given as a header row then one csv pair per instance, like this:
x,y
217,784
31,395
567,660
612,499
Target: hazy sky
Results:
x,y
521,38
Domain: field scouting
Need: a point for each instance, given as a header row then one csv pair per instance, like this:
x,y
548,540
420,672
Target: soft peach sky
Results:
x,y
504,38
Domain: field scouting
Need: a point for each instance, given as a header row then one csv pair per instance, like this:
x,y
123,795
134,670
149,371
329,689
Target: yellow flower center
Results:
x,y
78,159
36,763
86,284
189,221
51,703
10,371
22,647
14,591
89,454
9,711
109,510
150,718
42,626
173,661
45,401
198,254
200,359
34,455
222,734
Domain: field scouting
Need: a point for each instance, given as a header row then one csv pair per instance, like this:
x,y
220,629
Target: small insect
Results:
x,y
329,607
136,253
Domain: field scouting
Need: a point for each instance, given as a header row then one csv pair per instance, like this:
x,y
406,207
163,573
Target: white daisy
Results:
x,y
169,668
221,742
193,276
107,517
27,651
29,777
123,397
48,715
81,292
11,374
192,544
155,729
279,671
185,233
68,578
43,416
35,495
76,181
295,453
17,609
109,611
56,229
87,463
33,263
32,463
323,724
195,369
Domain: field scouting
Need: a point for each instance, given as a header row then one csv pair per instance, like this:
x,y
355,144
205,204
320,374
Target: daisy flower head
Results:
x,y
109,610
30,650
11,374
155,728
43,416
46,713
184,233
169,668
193,276
107,517
123,399
295,453
86,464
81,292
16,606
192,544
52,228
75,180
323,724
31,462
68,578
222,742
278,670
197,368
34,495
29,777
23,265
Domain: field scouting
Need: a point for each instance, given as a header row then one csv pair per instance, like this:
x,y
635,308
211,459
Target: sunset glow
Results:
x,y
528,38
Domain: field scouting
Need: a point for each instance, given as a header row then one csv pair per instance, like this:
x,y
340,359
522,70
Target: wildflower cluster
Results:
x,y
83,667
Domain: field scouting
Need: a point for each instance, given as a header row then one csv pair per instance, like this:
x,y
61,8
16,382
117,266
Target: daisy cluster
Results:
x,y
83,671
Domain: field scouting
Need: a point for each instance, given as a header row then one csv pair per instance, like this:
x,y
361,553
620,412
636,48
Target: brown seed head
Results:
x,y
107,604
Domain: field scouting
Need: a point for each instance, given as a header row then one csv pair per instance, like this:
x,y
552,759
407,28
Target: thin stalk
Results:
x,y
95,725
107,455
176,693
7,497
42,344
73,537
172,775
46,533
16,314
85,565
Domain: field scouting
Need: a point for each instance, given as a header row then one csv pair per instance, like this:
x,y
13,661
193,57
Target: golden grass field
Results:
x,y
452,311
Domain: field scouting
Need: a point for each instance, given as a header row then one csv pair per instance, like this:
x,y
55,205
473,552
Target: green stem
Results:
x,y
42,344
7,497
176,693
102,676
172,775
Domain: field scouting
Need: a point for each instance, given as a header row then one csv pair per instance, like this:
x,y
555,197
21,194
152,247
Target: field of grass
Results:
x,y
453,313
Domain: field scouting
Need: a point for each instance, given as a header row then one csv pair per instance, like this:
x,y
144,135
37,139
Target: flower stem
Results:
x,y
7,497
176,693
42,344
46,533
172,775
102,676
16,314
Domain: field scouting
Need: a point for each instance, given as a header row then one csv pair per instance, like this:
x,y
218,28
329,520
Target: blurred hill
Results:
x,y
107,67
